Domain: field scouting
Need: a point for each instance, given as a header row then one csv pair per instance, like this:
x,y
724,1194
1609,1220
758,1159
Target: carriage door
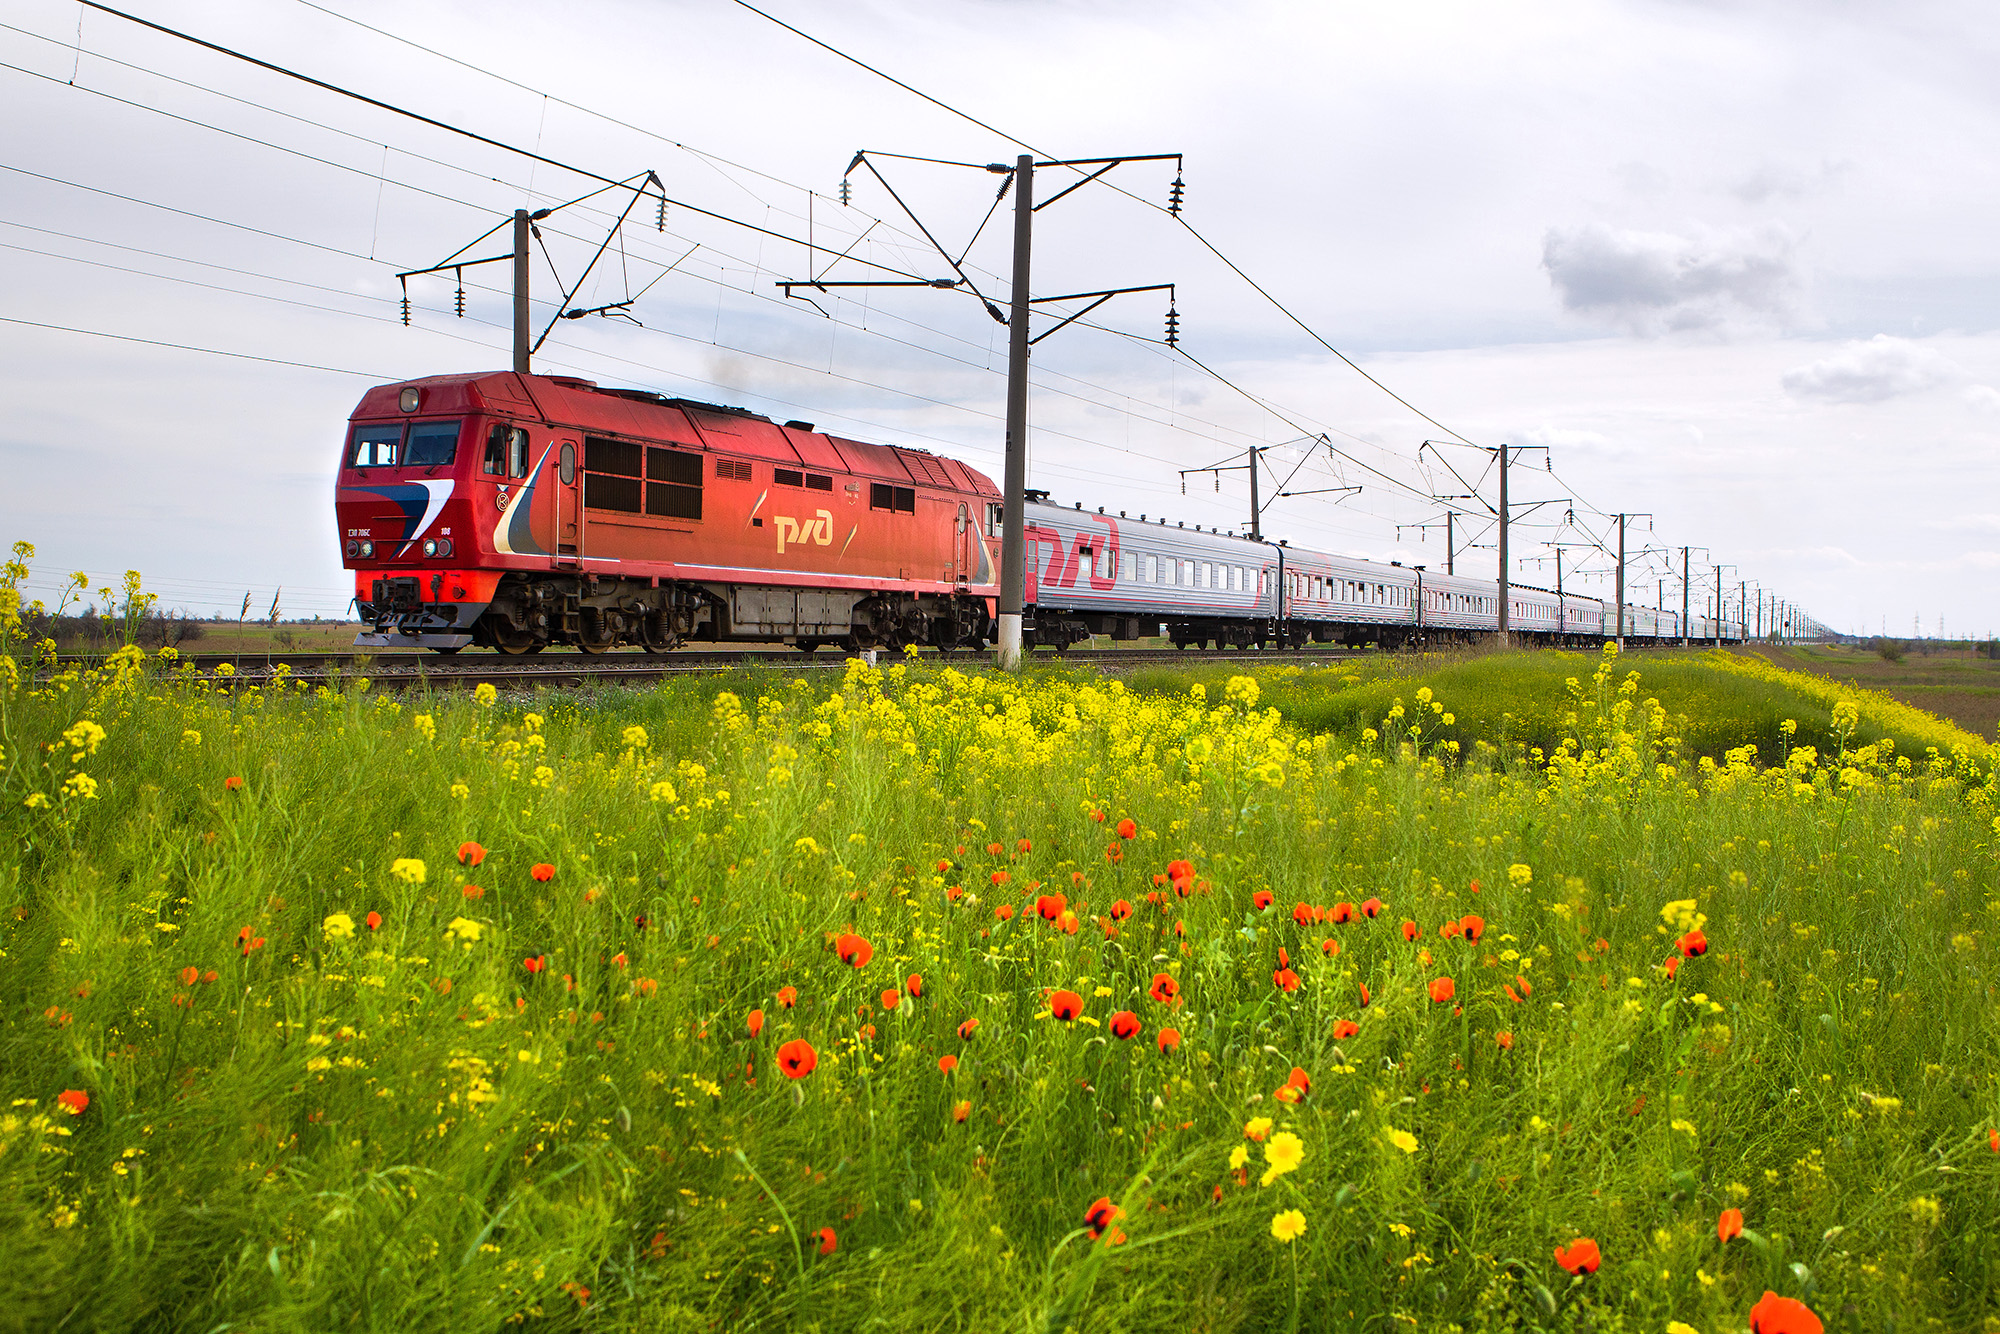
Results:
x,y
569,505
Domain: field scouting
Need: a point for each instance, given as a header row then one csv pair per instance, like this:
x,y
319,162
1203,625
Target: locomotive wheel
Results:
x,y
446,651
521,650
593,649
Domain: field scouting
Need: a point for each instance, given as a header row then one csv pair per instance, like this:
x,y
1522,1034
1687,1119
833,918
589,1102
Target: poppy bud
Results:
x,y
966,1030
756,1022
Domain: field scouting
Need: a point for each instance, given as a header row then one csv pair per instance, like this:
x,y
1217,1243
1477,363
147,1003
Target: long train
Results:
x,y
518,511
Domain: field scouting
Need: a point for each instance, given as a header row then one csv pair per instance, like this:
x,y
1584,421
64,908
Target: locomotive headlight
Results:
x,y
408,399
367,550
444,546
430,548
353,548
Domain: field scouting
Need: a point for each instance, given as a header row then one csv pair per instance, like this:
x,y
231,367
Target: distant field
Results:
x,y
1952,683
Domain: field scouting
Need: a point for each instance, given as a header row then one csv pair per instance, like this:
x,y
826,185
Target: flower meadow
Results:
x,y
917,998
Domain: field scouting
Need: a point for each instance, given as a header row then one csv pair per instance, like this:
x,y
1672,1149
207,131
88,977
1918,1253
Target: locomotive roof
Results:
x,y
585,406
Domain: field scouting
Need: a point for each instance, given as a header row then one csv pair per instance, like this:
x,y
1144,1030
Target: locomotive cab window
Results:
x,y
376,446
431,445
506,452
896,499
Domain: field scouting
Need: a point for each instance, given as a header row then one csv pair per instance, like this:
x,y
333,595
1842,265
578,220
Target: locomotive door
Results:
x,y
569,506
961,547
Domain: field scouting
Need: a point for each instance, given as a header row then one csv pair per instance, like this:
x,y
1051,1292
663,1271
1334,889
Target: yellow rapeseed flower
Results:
x,y
465,929
338,926
1520,876
409,870
1289,1225
485,694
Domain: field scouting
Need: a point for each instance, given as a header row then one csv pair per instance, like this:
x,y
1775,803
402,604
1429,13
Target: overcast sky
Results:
x,y
1733,264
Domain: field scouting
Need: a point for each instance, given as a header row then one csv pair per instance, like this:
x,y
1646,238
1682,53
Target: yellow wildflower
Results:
x,y
1289,1225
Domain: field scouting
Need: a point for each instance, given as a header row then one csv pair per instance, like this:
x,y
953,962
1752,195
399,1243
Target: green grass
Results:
x,y
407,1128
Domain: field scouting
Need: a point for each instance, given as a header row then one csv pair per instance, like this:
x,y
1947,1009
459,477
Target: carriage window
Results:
x,y
996,519
1107,564
1131,563
1152,569
673,483
896,499
376,446
432,444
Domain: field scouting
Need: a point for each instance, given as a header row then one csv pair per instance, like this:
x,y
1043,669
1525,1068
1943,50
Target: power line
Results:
x,y
189,347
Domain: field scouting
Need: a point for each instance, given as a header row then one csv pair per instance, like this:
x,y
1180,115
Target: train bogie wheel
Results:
x,y
806,645
521,649
439,648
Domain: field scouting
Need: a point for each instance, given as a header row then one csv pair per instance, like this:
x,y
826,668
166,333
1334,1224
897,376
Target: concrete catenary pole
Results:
x,y
1503,545
1013,540
520,291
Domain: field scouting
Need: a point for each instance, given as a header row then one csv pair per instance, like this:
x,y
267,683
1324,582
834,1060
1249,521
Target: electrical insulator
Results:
x,y
1174,196
1173,326
458,303
406,310
846,192
660,218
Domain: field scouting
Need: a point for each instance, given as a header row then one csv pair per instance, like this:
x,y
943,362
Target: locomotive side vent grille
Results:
x,y
732,470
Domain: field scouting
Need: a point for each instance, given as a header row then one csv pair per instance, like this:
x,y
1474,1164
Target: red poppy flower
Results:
x,y
471,854
1120,910
1365,998
1993,1140
190,975
999,877
1505,1040
1262,899
1340,912
245,942
206,978
1729,1224
1473,925
1329,947
1125,1025
646,986
542,871
1127,829
947,1063
788,996
891,999
1067,922
1299,1080
853,950
535,963
1372,908
1100,1216
1580,1256
797,1058
1285,980
1692,944
914,984
1522,983
1097,816
233,783
1449,931
1442,989
1024,845
1065,1005
1783,1315
1284,957
1411,930
1510,993
1050,906
961,1109
1169,1040
1672,966
1115,853
994,849
828,1243
73,1101
967,1029
868,1031
1004,911
1164,989
374,921
1302,913
1344,1028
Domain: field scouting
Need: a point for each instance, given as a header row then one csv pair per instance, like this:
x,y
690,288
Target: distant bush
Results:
x,y
1888,650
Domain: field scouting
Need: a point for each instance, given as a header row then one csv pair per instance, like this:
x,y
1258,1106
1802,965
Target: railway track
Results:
x,y
559,670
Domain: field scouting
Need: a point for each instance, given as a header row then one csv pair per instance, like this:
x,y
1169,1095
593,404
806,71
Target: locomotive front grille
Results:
x,y
401,594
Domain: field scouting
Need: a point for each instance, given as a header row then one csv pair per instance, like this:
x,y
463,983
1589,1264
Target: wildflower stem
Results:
x,y
798,1251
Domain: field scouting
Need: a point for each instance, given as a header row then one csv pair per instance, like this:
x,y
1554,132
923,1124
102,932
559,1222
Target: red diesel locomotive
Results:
x,y
518,511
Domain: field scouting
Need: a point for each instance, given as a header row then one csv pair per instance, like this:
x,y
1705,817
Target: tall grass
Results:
x,y
542,1103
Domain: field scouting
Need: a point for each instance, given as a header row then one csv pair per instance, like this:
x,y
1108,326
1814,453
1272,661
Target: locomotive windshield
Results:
x,y
428,445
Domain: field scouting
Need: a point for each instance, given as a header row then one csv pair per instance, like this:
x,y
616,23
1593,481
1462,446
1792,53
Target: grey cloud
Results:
x,y
1656,282
1882,368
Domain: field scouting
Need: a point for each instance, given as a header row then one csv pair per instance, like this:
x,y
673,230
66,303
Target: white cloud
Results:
x,y
1967,523
1657,282
1882,368
1982,396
